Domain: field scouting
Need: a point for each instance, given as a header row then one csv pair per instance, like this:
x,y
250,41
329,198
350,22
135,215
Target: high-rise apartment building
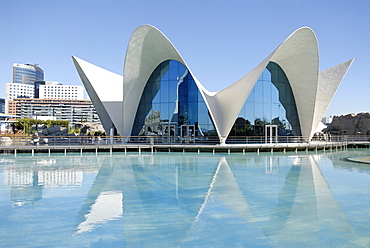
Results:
x,y
73,111
24,77
43,90
27,73
17,90
29,96
55,90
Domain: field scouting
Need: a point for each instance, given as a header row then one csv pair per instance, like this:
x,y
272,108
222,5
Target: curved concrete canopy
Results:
x,y
147,48
328,83
297,56
99,83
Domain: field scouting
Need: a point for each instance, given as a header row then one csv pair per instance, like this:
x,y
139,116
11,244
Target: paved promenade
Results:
x,y
81,144
130,147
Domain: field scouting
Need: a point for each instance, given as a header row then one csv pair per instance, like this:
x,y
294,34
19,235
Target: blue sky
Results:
x,y
221,41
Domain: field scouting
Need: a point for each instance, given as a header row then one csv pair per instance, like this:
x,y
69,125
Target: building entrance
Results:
x,y
187,133
271,134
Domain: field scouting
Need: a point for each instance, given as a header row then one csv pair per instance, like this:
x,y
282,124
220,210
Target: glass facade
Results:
x,y
171,104
271,102
27,74
2,105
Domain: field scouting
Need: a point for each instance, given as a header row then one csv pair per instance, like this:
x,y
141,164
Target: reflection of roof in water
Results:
x,y
222,201
107,206
104,199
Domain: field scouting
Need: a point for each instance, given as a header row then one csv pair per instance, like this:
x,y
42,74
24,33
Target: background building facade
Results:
x,y
56,90
27,73
73,111
17,90
24,77
29,96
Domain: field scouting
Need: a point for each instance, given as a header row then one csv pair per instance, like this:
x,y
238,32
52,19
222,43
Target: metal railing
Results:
x,y
23,140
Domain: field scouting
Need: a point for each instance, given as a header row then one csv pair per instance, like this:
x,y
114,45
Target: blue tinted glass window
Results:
x,y
258,92
171,97
271,102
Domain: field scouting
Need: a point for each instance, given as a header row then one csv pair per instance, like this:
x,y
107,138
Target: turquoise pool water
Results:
x,y
185,200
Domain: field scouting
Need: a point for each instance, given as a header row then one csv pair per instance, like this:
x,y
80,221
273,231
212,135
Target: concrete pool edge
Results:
x,y
365,160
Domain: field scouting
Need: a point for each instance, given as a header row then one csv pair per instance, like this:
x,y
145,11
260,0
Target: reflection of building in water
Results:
x,y
60,178
27,183
48,178
271,165
18,178
25,188
104,202
293,200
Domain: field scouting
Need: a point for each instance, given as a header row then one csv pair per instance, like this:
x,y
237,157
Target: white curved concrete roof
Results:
x,y
297,56
99,83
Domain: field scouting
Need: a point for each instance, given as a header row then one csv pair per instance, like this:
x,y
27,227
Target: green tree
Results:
x,y
26,124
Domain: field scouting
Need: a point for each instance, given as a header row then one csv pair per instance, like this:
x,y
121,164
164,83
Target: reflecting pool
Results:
x,y
185,200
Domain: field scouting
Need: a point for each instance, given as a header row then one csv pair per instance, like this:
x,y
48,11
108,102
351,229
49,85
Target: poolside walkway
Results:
x,y
131,147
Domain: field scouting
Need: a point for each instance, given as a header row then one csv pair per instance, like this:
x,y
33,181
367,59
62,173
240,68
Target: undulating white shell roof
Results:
x,y
116,98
